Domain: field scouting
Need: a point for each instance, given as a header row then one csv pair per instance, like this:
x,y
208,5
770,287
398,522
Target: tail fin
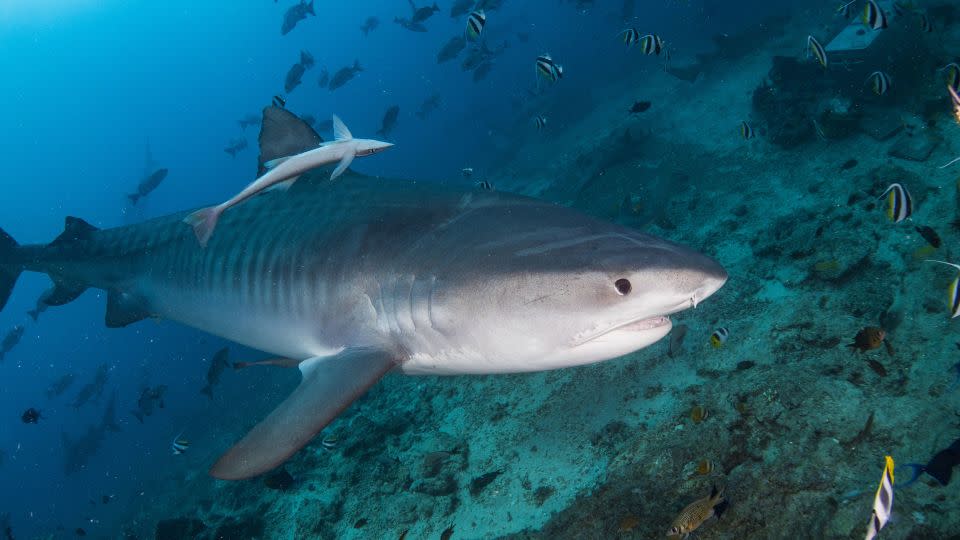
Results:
x,y
134,197
9,271
203,222
34,314
916,471
310,8
357,66
207,391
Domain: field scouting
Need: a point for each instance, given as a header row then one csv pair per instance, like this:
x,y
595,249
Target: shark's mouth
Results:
x,y
635,325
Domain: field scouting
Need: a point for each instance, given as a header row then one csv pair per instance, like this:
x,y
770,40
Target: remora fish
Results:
x,y
284,171
147,185
356,278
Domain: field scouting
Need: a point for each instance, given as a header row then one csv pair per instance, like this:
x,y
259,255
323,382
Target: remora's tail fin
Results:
x,y
134,197
203,222
329,385
9,270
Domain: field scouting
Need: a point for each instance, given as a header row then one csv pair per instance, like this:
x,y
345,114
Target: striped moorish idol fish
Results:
x,y
953,292
873,16
817,51
899,202
879,82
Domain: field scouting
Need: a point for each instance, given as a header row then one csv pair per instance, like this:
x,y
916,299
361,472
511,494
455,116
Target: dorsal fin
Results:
x,y
283,134
74,230
340,131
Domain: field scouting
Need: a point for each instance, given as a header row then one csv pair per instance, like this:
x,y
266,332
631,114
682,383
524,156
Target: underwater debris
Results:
x,y
698,414
868,339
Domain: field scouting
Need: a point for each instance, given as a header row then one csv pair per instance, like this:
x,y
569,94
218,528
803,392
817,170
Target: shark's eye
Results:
x,y
623,286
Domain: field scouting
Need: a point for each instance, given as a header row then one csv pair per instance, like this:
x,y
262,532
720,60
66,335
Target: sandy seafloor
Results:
x,y
606,451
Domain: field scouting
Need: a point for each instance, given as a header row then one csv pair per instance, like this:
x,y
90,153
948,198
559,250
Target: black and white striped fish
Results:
x,y
278,101
630,37
651,44
899,202
925,25
953,292
485,185
548,69
879,82
882,502
179,445
540,121
873,16
746,131
475,23
817,51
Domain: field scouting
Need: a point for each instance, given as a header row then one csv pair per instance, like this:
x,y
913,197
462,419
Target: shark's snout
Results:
x,y
711,276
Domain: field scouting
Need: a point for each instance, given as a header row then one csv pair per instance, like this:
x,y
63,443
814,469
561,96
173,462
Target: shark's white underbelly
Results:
x,y
282,332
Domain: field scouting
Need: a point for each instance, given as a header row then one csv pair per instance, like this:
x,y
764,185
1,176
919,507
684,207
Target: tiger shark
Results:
x,y
353,278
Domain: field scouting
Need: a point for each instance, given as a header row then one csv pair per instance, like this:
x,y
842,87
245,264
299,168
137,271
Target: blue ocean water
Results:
x,y
93,90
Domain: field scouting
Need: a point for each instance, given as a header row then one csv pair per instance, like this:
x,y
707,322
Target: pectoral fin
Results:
x,y
344,163
329,385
